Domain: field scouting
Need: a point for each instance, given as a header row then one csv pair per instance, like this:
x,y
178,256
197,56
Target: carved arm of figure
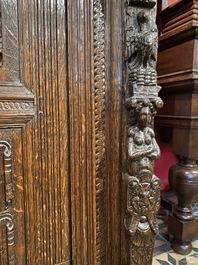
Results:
x,y
156,151
142,144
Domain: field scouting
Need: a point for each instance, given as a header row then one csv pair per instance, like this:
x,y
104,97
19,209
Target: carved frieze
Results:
x,y
12,106
16,104
142,101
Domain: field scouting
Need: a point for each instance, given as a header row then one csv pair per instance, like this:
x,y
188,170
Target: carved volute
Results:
x,y
142,101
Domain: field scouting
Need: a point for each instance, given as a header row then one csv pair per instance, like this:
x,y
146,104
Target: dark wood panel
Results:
x,y
175,58
9,70
12,196
114,136
35,101
81,146
65,103
95,130
46,148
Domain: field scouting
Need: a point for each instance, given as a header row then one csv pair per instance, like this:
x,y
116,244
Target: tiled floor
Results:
x,y
163,253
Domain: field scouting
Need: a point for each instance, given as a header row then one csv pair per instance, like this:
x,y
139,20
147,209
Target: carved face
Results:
x,y
144,117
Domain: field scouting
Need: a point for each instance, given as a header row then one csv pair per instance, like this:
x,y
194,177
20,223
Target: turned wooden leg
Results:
x,y
183,179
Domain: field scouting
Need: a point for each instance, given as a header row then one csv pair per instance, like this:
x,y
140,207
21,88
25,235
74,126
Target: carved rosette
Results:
x,y
142,101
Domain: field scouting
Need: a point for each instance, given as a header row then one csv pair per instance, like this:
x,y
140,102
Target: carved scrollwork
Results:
x,y
6,216
142,102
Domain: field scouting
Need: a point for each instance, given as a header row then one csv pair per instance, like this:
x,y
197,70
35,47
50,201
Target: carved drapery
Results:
x,y
142,101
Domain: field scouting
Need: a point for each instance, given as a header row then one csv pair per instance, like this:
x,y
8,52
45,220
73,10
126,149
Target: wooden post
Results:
x,y
141,185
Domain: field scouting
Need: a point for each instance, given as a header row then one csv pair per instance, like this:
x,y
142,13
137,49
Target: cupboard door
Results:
x,y
60,132
34,148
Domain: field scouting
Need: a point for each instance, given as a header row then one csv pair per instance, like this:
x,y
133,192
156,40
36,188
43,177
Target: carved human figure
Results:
x,y
143,187
142,146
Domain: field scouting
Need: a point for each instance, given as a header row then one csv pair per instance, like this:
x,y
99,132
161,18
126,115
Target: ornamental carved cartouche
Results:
x,y
142,101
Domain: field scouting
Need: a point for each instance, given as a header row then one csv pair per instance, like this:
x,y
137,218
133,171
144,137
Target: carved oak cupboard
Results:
x,y
64,76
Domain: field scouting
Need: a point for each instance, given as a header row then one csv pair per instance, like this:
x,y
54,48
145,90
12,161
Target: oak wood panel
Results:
x,y
81,133
13,252
43,236
65,104
43,37
175,58
114,129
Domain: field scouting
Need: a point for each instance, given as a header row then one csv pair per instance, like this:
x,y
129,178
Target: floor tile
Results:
x,y
163,253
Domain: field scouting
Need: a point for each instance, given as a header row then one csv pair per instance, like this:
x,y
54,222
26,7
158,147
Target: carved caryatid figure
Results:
x,y
143,187
142,145
142,101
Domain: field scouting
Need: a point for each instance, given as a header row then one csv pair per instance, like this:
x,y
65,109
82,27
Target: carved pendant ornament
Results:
x,y
142,101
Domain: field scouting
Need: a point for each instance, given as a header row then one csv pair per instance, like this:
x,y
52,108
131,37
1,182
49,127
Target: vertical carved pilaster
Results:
x,y
142,101
100,127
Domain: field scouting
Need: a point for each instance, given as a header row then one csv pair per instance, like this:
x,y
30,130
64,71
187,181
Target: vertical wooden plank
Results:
x,y
82,133
46,166
114,110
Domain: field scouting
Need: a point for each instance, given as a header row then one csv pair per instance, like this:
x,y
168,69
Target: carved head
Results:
x,y
142,17
144,117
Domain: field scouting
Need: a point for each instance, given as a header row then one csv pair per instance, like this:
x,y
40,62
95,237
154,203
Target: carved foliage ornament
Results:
x,y
142,101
